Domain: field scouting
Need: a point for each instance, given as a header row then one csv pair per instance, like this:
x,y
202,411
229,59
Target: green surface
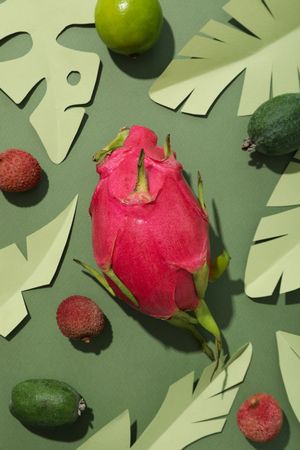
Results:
x,y
45,403
137,358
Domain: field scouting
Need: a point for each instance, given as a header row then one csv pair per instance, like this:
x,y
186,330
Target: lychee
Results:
x,y
19,171
79,317
260,418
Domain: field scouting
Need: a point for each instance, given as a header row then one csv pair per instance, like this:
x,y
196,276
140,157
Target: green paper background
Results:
x,y
137,358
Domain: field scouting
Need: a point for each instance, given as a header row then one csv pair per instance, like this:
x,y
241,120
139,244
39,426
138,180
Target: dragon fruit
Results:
x,y
150,233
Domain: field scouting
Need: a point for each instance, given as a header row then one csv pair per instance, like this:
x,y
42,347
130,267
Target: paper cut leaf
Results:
x,y
57,118
277,257
114,436
287,191
289,362
275,253
17,273
185,416
207,64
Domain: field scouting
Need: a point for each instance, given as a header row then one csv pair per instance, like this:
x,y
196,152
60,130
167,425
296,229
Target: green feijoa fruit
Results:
x,y
274,128
46,403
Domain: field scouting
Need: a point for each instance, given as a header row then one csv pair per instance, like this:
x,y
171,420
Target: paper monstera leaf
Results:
x,y
19,273
57,118
207,64
186,415
274,256
289,362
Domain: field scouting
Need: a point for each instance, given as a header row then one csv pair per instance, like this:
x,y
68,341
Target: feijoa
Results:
x,y
274,128
46,403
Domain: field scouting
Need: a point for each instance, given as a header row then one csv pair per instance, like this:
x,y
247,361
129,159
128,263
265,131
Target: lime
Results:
x,y
129,27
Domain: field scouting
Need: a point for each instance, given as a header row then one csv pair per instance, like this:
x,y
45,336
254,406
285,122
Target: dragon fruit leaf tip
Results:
x,y
181,322
96,275
158,255
219,265
167,146
113,277
141,184
202,312
200,192
103,281
117,142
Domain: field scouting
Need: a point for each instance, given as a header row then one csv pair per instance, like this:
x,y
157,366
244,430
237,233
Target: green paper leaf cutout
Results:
x,y
58,116
274,256
114,436
185,415
211,60
289,362
17,273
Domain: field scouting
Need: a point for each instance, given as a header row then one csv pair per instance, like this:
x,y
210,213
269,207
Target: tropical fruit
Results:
x,y
78,317
128,27
260,418
151,233
46,403
274,128
19,171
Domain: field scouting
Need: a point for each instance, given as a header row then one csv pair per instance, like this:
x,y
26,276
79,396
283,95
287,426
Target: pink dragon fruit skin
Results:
x,y
154,241
150,234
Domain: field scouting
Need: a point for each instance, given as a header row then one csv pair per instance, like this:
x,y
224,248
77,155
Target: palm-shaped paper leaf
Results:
x,y
275,254
17,273
208,64
57,117
186,415
289,362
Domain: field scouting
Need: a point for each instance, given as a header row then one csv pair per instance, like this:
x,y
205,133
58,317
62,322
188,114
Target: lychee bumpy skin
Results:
x,y
260,418
19,171
79,317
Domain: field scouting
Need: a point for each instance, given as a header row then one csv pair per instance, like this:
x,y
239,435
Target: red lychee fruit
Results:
x,y
79,317
19,171
260,418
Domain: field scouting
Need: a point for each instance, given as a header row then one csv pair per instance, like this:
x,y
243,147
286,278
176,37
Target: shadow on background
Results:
x,y
67,433
98,343
9,49
152,63
18,328
133,433
279,443
275,163
291,298
220,292
271,299
32,197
